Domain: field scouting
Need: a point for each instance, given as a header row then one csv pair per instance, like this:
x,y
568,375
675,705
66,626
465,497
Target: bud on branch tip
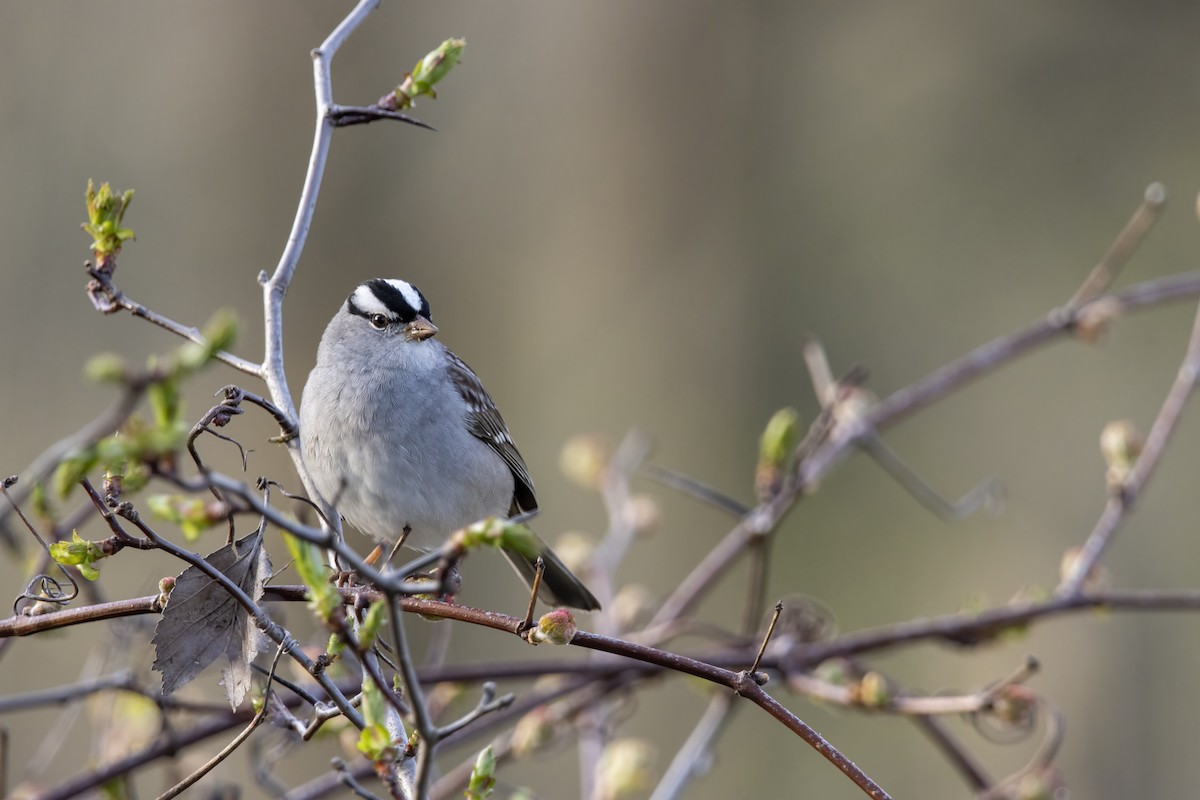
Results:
x,y
428,72
106,211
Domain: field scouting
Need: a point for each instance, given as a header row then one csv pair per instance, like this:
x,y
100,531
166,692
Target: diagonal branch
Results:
x,y
1123,498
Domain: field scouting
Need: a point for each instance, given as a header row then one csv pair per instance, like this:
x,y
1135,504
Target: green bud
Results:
x,y
427,72
106,368
873,690
193,516
1121,444
437,65
483,775
369,629
502,534
105,212
557,627
532,732
165,586
624,769
775,448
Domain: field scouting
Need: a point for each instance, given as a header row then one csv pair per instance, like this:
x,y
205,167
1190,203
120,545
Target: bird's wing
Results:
x,y
484,422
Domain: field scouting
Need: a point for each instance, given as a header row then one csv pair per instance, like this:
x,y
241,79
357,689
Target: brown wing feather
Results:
x,y
485,422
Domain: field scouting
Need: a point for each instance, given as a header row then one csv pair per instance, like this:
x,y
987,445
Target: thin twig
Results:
x,y
65,694
1121,500
995,354
849,696
690,486
756,586
1127,241
50,590
163,746
119,299
695,756
347,779
261,618
41,467
209,765
488,702
985,494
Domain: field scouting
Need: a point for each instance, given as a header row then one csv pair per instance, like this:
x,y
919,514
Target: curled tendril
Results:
x,y
42,588
1002,731
264,484
45,589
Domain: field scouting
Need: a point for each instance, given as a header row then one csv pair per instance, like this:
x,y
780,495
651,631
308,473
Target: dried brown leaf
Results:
x,y
202,620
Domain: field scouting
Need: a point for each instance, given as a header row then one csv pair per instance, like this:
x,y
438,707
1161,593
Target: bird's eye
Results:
x,y
378,321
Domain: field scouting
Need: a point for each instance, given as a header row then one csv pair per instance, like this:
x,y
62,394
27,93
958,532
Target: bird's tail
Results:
x,y
559,585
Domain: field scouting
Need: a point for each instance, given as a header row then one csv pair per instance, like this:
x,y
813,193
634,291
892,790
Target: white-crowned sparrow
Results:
x,y
399,432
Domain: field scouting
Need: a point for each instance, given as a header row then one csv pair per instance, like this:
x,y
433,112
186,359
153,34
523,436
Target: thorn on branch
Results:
x,y
539,569
762,648
345,116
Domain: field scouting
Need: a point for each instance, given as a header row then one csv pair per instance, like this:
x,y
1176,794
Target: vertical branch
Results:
x,y
275,287
416,698
1124,496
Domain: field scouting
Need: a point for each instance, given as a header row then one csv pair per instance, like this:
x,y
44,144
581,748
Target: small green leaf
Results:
x,y
41,502
73,469
483,775
78,552
374,742
371,624
166,402
134,476
308,560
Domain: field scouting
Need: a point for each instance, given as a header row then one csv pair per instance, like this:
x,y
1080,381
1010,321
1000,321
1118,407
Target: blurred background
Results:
x,y
630,216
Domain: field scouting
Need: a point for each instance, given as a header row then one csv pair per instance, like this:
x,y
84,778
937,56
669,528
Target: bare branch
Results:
x,y
1127,241
119,300
208,766
1121,500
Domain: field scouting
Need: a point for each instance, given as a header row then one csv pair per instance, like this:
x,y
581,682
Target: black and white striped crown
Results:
x,y
397,300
